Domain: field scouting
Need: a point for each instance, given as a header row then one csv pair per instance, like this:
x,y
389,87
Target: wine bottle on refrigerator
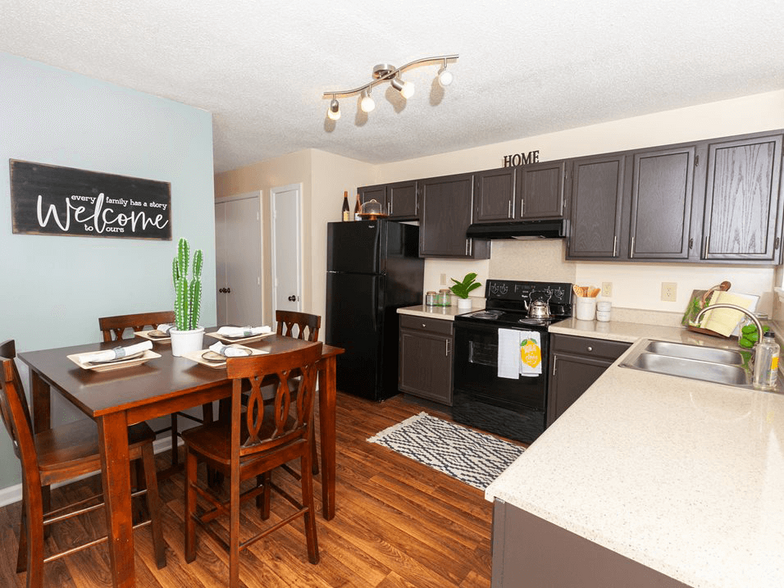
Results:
x,y
357,209
346,209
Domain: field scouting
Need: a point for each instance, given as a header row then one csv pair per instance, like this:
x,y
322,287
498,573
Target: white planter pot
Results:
x,y
184,341
464,303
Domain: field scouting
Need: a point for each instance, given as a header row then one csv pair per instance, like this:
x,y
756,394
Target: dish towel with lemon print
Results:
x,y
519,354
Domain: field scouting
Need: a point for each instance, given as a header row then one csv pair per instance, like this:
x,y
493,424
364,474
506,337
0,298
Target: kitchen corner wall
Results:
x,y
635,285
324,178
55,288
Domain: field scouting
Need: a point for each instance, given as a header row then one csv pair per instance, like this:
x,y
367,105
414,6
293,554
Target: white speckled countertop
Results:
x,y
447,313
685,477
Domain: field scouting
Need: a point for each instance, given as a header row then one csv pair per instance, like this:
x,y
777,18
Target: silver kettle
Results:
x,y
539,309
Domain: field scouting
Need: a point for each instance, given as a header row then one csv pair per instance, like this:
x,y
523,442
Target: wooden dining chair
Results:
x,y
58,456
113,328
255,440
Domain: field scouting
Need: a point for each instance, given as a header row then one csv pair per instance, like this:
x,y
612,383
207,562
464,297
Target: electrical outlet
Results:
x,y
669,291
607,289
443,279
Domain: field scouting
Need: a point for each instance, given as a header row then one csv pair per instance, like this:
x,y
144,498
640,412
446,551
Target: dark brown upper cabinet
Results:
x,y
661,203
495,195
743,205
540,191
445,212
399,200
597,197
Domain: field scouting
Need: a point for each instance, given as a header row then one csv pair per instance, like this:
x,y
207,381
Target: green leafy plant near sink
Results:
x,y
464,288
749,335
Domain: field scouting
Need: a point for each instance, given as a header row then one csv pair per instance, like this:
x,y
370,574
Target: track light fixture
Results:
x,y
389,73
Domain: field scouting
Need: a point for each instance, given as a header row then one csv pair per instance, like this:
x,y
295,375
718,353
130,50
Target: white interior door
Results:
x,y
286,254
238,251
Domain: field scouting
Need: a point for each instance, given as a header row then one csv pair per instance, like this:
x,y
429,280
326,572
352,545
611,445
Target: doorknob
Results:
x,y
292,298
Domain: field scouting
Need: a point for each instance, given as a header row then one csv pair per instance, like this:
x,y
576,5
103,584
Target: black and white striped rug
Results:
x,y
471,457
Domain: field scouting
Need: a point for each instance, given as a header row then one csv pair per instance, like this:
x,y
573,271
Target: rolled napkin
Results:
x,y
116,353
165,328
229,350
243,331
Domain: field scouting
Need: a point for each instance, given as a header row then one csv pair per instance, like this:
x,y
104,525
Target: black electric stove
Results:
x,y
513,408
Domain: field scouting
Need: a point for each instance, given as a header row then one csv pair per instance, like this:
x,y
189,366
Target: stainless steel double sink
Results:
x,y
720,366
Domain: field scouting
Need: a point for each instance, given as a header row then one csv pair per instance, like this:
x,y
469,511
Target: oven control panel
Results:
x,y
514,291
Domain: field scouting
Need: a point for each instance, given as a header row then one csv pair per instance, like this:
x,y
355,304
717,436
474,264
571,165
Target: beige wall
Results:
x,y
635,285
324,178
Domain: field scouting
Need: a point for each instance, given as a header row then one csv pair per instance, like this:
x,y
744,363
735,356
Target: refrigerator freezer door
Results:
x,y
355,323
355,247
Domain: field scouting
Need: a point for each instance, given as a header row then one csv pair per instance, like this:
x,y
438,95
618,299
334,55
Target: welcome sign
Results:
x,y
53,200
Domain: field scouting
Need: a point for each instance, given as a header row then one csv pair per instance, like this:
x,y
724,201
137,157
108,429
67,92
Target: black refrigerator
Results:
x,y
373,268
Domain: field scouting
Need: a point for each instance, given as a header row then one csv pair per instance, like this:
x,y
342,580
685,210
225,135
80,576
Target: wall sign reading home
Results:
x,y
53,200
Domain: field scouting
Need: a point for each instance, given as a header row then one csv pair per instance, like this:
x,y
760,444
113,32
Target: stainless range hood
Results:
x,y
544,229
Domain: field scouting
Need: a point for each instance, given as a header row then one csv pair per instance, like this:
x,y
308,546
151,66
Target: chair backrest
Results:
x,y
270,426
16,413
113,327
308,325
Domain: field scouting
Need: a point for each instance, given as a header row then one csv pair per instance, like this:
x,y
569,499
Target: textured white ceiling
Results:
x,y
525,67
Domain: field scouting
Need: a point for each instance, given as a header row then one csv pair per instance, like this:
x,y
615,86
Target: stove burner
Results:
x,y
535,321
487,314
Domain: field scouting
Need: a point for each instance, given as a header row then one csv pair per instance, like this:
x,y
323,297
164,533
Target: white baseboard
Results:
x,y
13,493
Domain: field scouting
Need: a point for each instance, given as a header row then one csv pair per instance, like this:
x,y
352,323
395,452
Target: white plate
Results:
x,y
113,365
250,339
149,335
198,357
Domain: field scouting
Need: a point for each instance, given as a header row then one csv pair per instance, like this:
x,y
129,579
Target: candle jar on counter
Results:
x,y
444,298
430,299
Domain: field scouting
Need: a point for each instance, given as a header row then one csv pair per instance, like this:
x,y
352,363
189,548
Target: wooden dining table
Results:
x,y
122,397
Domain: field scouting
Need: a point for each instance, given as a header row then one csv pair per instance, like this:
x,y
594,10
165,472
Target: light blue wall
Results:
x,y
53,289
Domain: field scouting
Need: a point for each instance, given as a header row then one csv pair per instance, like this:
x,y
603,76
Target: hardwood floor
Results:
x,y
399,524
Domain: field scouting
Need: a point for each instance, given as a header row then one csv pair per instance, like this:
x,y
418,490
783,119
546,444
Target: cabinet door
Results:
x,y
742,203
540,190
377,193
402,201
445,213
597,200
570,376
426,365
662,186
495,195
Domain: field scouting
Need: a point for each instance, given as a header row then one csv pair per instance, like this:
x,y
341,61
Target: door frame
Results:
x,y
298,240
247,196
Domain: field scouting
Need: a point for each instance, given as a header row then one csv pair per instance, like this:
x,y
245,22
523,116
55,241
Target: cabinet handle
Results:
x,y
555,362
691,243
589,348
615,244
776,243
509,209
424,325
446,349
389,207
705,247
631,250
522,207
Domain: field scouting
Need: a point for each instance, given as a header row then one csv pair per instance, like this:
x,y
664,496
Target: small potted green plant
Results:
x,y
463,288
187,335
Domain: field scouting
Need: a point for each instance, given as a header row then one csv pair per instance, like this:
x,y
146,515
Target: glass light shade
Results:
x,y
367,104
445,78
408,90
334,110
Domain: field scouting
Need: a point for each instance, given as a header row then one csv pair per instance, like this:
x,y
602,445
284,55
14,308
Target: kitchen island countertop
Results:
x,y
683,476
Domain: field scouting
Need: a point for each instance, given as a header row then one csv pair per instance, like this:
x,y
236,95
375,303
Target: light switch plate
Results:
x,y
669,291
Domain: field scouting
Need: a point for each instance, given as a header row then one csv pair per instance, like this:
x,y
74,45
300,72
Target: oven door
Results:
x,y
476,370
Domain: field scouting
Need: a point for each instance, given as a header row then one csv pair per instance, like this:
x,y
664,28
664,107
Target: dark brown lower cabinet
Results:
x,y
425,366
529,552
575,364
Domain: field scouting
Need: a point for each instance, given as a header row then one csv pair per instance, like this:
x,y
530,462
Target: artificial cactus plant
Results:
x,y
187,305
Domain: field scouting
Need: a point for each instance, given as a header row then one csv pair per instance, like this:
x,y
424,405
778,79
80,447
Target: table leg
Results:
x,y
327,403
113,433
41,407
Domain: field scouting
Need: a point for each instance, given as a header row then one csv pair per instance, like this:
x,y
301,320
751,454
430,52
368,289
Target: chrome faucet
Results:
x,y
748,313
